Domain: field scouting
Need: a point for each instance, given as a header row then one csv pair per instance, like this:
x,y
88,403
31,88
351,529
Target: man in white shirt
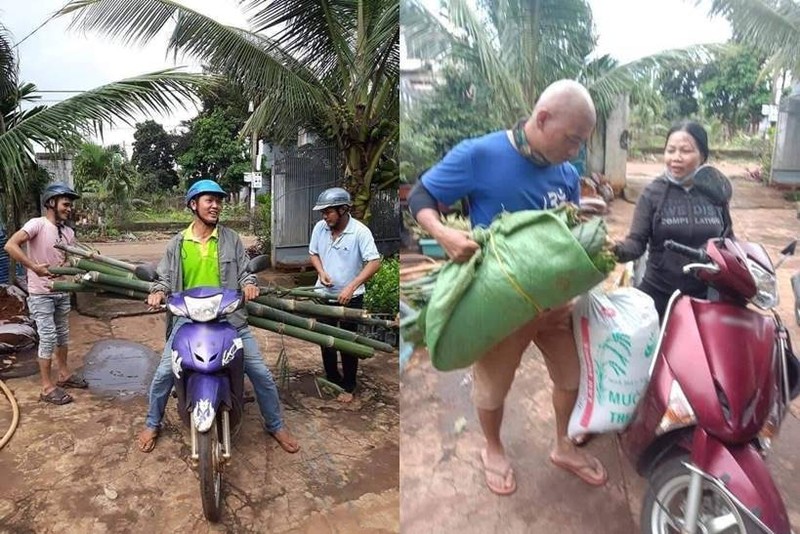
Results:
x,y
344,254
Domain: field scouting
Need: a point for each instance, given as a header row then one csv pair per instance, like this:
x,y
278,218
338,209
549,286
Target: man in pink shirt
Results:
x,y
49,310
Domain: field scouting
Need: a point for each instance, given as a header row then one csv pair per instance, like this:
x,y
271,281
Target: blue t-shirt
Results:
x,y
495,177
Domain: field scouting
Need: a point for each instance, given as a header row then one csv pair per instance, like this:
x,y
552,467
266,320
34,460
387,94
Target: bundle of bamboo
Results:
x,y
271,311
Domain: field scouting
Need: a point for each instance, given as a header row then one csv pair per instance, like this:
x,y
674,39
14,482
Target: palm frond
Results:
x,y
771,26
484,51
314,32
627,78
255,61
427,36
131,22
63,124
8,65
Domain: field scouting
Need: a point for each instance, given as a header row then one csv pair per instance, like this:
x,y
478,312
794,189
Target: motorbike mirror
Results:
x,y
790,248
713,184
258,264
146,272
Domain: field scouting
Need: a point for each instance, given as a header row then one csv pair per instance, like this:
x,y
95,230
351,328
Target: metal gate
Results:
x,y
299,175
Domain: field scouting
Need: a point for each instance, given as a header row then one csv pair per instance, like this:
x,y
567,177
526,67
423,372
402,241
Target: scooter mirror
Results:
x,y
146,272
713,184
258,264
790,248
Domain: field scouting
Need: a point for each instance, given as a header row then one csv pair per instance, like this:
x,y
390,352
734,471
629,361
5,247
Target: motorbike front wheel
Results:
x,y
665,503
209,449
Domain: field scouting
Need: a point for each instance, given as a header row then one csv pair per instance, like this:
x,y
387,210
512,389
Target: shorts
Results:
x,y
51,314
551,331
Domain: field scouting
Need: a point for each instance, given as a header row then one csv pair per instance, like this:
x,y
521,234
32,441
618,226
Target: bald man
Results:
x,y
524,168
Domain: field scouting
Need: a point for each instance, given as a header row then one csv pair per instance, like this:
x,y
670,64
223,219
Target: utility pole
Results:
x,y
253,163
253,167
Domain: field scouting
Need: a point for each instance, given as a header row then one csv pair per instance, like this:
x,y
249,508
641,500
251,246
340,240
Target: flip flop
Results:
x,y
345,397
56,396
586,472
284,445
582,439
505,474
74,381
149,445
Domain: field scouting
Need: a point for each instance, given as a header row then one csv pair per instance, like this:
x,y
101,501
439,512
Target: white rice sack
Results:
x,y
616,335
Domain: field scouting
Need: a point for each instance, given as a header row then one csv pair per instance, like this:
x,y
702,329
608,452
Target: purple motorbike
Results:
x,y
208,368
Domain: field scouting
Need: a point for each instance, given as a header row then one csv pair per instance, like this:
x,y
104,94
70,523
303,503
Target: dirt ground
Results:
x,y
441,475
76,468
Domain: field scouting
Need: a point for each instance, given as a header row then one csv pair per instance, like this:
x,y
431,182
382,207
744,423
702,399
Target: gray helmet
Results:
x,y
58,190
335,196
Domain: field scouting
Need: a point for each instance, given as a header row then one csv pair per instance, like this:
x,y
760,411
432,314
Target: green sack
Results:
x,y
529,261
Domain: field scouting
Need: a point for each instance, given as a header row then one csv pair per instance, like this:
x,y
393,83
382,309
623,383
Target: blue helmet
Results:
x,y
58,190
209,187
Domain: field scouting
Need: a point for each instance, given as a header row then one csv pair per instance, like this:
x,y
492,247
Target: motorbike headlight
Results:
x,y
679,412
230,308
202,310
766,296
176,311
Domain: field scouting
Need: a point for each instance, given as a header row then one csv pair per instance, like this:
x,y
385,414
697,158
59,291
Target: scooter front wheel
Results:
x,y
209,450
664,504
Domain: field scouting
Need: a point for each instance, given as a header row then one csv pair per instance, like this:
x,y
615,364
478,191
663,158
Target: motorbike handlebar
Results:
x,y
692,253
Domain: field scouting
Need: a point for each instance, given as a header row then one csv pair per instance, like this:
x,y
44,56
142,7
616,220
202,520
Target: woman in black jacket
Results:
x,y
670,207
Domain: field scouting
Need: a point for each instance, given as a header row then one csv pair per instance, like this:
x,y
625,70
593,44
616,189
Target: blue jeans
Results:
x,y
254,367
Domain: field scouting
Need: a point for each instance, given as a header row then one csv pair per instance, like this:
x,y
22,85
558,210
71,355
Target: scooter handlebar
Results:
x,y
692,253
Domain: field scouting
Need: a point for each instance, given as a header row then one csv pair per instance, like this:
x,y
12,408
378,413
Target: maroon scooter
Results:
x,y
720,386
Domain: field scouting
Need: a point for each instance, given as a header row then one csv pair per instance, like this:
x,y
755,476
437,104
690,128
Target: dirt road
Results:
x,y
76,468
441,472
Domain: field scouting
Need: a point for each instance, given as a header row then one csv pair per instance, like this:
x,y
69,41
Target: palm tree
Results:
x,y
521,46
331,67
772,26
63,126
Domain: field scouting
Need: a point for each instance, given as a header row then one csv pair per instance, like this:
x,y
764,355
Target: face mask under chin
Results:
x,y
683,180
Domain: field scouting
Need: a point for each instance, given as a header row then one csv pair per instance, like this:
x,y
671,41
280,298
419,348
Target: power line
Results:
x,y
39,27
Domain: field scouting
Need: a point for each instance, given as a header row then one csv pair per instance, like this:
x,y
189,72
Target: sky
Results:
x,y
55,58
630,29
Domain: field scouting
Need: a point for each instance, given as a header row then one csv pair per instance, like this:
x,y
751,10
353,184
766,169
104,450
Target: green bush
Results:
x,y
383,289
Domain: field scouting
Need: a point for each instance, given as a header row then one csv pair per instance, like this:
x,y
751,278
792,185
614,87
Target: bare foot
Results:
x,y
498,472
286,440
147,439
345,397
579,463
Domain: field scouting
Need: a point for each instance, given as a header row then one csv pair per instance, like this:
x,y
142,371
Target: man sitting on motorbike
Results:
x,y
209,254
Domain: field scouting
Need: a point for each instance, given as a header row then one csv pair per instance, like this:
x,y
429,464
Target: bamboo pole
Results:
x,y
311,308
327,384
89,265
66,271
320,339
71,287
76,251
137,295
300,293
116,281
91,287
315,326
